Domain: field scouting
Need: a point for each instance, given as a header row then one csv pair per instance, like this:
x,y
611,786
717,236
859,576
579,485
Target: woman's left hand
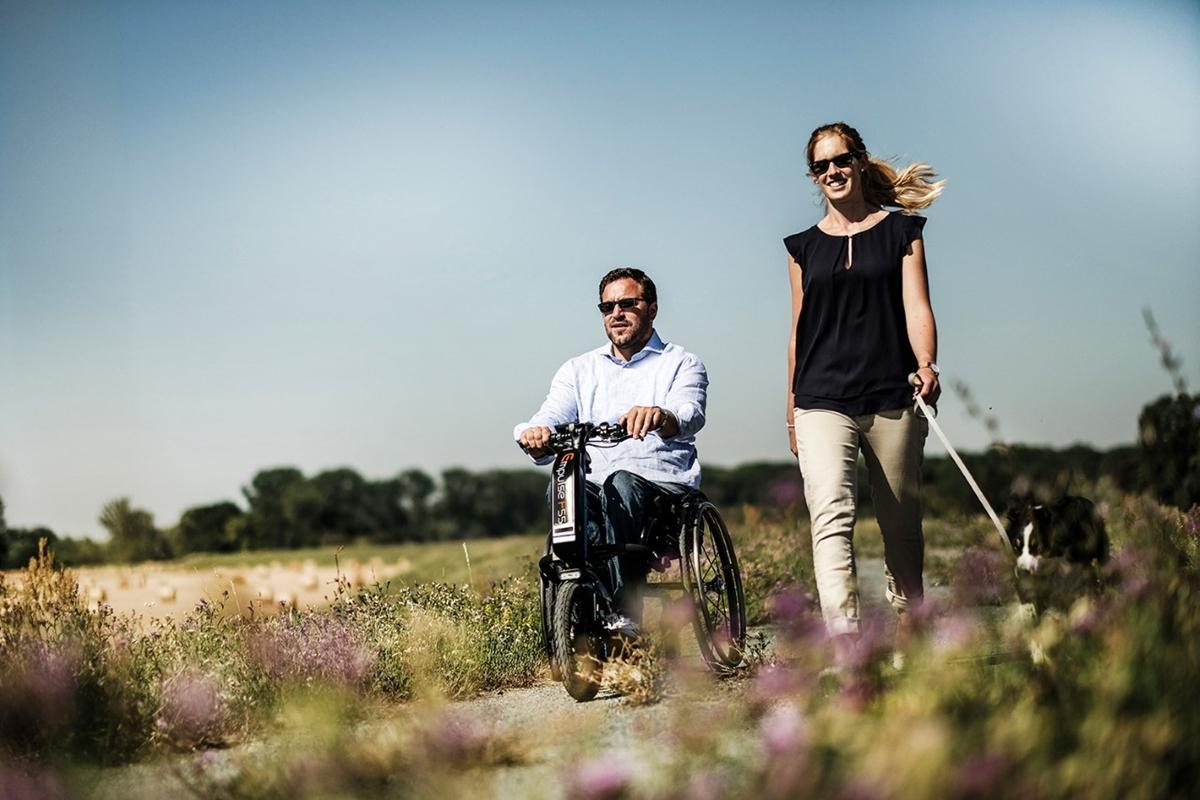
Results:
x,y
930,388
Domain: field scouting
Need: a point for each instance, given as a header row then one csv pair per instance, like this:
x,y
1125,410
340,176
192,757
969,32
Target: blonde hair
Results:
x,y
910,189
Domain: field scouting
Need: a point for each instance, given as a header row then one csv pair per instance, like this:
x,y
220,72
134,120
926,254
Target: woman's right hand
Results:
x,y
791,430
796,280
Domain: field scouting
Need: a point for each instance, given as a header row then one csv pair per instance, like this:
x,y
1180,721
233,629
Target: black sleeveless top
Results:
x,y
852,349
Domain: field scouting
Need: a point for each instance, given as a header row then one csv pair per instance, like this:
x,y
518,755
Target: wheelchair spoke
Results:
x,y
714,582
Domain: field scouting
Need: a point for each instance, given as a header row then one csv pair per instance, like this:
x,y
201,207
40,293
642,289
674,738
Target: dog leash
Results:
x,y
915,380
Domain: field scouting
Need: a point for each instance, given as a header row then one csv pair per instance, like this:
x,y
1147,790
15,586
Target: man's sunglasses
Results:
x,y
625,303
841,162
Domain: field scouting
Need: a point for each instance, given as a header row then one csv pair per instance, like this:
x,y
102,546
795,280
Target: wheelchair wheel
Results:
x,y
712,578
576,648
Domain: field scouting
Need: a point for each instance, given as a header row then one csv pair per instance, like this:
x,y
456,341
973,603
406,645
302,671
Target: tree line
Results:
x,y
283,508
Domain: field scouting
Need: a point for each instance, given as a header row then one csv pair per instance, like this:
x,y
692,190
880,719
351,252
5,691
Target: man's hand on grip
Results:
x,y
535,440
641,420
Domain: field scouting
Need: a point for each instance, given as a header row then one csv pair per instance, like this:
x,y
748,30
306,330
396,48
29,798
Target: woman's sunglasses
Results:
x,y
841,162
626,303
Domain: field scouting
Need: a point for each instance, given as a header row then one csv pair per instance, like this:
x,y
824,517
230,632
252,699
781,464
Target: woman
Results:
x,y
861,324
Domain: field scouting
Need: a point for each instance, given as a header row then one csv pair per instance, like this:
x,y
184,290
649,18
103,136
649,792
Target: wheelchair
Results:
x,y
685,540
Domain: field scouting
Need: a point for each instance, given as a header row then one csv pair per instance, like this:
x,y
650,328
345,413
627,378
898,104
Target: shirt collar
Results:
x,y
655,345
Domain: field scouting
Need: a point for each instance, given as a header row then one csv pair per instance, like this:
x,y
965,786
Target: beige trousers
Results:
x,y
892,444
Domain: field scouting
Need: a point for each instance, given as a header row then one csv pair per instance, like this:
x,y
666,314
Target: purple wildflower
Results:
x,y
193,708
981,577
1088,615
797,612
954,631
926,613
872,643
706,785
785,744
1191,519
50,680
37,693
786,492
776,682
26,782
311,647
859,789
454,739
603,778
981,775
783,732
1133,567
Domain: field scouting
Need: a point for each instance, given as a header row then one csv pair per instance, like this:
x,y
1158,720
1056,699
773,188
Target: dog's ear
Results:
x,y
1014,513
1043,523
1016,517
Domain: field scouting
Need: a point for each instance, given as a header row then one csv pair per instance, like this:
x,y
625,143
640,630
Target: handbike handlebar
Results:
x,y
579,434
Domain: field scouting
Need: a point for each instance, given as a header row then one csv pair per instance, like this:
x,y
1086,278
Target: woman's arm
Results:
x,y
918,316
796,277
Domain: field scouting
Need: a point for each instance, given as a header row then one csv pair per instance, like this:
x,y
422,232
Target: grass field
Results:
x,y
1092,699
491,559
262,582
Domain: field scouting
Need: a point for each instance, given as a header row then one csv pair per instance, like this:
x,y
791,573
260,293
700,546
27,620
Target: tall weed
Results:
x,y
1090,701
89,684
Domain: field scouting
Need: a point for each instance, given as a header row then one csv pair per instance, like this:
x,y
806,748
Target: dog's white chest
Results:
x,y
1027,561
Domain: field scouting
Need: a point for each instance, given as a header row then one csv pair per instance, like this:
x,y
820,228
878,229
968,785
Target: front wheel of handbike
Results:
x,y
575,646
711,575
547,609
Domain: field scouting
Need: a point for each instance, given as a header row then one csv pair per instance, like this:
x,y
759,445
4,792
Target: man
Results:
x,y
657,392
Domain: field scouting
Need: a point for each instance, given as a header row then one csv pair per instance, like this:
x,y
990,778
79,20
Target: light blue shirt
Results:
x,y
599,387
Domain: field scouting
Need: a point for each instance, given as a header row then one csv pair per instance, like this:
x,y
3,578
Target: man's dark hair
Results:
x,y
633,273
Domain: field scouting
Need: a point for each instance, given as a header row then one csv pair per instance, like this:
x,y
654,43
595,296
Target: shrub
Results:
x,y
108,688
1168,450
774,557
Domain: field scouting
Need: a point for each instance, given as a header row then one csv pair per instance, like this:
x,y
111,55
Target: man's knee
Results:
x,y
622,481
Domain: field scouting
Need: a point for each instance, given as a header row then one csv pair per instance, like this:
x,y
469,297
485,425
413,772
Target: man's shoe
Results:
x,y
622,625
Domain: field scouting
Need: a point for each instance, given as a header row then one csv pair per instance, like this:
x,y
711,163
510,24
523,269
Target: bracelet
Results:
x,y
791,424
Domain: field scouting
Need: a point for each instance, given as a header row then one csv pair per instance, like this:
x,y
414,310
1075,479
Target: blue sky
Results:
x,y
237,235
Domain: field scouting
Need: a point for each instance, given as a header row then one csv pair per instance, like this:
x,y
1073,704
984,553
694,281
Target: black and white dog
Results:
x,y
1060,548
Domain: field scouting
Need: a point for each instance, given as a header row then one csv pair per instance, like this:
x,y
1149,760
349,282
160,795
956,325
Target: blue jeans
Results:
x,y
616,512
